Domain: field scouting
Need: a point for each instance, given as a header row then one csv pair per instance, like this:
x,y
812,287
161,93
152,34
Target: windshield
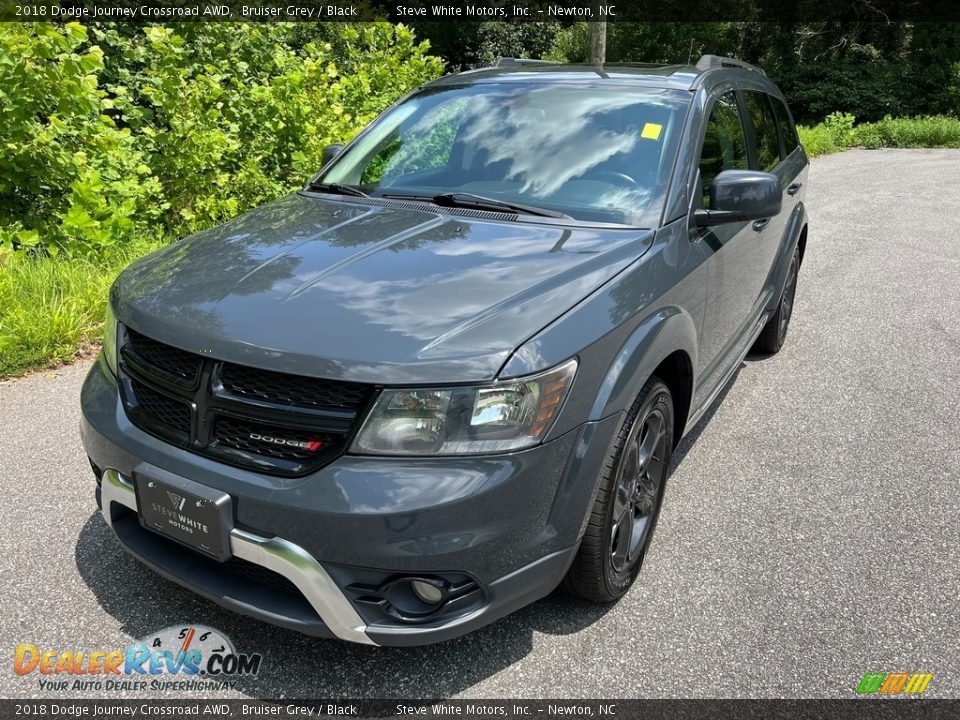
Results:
x,y
595,153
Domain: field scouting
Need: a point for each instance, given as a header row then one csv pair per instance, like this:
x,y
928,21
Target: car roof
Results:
x,y
679,77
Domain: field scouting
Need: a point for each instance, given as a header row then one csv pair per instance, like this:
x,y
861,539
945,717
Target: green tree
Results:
x,y
474,44
109,131
71,178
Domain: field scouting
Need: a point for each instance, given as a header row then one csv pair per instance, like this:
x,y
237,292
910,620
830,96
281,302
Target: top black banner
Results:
x,y
158,11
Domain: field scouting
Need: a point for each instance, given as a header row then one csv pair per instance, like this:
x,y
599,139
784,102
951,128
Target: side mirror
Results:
x,y
739,196
330,152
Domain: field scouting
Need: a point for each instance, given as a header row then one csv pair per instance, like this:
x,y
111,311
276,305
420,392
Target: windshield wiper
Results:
x,y
337,189
480,202
459,199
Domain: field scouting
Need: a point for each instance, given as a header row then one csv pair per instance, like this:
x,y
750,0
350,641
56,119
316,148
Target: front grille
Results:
x,y
291,390
254,438
161,408
165,358
273,422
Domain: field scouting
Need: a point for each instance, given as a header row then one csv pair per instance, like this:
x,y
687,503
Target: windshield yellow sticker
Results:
x,y
651,131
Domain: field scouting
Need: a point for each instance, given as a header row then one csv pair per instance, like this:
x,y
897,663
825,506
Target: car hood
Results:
x,y
358,291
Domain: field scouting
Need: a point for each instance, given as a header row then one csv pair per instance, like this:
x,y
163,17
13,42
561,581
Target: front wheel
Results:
x,y
625,511
774,333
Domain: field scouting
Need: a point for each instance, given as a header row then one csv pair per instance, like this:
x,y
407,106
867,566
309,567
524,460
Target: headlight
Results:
x,y
503,416
109,351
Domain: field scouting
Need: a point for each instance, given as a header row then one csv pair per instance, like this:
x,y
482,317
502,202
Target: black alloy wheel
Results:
x,y
624,514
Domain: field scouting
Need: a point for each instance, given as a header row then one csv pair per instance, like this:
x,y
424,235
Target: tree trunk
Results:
x,y
598,42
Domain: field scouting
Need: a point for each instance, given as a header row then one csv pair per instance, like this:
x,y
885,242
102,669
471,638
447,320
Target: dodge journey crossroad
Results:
x,y
448,375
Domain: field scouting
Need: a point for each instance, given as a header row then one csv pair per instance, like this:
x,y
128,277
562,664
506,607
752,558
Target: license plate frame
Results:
x,y
194,515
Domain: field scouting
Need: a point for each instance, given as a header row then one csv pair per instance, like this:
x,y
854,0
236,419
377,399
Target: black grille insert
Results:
x,y
260,575
161,408
292,390
259,439
167,359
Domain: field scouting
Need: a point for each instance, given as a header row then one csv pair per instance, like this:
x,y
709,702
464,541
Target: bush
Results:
x,y
817,140
935,131
838,132
71,179
116,132
116,139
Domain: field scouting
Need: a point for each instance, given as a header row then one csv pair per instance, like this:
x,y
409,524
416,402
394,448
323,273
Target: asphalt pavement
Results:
x,y
809,534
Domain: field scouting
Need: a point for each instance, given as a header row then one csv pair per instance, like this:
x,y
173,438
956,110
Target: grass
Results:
x,y
839,132
51,309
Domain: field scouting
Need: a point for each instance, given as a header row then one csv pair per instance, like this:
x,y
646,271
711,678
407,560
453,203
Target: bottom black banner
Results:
x,y
612,709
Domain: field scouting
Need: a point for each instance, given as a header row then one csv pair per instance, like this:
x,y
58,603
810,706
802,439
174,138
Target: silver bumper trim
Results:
x,y
276,554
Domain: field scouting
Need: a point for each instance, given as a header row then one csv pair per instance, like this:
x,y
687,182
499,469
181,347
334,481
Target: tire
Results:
x,y
608,561
774,333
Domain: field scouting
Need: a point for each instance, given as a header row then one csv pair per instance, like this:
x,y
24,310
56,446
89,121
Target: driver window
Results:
x,y
724,145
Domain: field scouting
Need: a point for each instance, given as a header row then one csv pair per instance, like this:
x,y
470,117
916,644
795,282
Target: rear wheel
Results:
x,y
774,333
625,511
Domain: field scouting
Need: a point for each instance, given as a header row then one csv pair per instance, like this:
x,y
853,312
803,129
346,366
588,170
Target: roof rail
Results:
x,y
707,62
631,64
509,61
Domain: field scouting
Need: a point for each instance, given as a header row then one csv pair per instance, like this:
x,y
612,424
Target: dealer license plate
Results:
x,y
190,513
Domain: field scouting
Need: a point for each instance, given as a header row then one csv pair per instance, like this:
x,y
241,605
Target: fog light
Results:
x,y
430,594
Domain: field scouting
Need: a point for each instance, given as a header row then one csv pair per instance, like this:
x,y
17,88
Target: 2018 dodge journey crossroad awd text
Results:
x,y
449,375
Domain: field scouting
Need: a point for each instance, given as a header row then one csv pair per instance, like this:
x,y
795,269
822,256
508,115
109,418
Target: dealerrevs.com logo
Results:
x,y
192,657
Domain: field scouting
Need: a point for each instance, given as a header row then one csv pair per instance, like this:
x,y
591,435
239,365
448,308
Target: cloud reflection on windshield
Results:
x,y
547,149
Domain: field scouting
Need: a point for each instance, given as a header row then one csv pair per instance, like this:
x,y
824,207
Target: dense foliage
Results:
x,y
475,44
839,131
109,132
868,69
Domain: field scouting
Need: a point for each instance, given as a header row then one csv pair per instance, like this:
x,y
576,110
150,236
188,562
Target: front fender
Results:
x,y
624,330
666,331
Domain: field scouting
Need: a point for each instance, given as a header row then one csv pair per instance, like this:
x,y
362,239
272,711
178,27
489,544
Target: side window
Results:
x,y
724,145
764,130
788,130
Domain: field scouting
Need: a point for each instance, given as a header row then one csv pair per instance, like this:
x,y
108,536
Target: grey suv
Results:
x,y
449,375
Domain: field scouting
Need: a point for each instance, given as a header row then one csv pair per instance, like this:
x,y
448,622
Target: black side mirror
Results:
x,y
330,152
740,196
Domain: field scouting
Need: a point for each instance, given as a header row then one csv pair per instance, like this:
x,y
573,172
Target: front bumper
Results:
x,y
510,524
276,554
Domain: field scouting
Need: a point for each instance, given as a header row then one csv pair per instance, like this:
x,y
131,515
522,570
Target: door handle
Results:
x,y
794,189
759,225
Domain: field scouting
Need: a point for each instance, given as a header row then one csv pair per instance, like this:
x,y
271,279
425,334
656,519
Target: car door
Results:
x,y
768,235
794,160
730,289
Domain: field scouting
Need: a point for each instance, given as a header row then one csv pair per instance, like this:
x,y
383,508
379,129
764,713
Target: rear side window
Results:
x,y
788,130
764,130
724,145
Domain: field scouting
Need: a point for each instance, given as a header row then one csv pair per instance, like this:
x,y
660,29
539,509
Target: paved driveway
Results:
x,y
810,534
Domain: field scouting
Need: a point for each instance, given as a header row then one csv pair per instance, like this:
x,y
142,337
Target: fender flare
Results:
x,y
656,337
778,276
